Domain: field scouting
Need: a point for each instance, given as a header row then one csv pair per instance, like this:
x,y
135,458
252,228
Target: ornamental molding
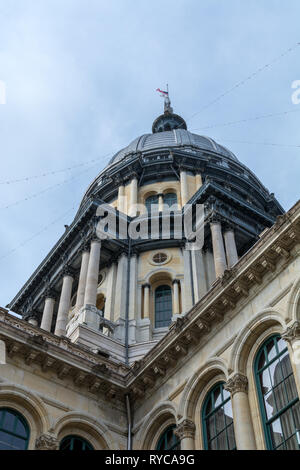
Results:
x,y
46,442
292,333
185,430
237,383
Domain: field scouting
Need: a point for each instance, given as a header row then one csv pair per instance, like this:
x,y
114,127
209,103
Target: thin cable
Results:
x,y
42,175
260,143
36,234
242,82
39,193
230,123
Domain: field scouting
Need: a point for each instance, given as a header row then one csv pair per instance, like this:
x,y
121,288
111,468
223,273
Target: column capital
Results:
x,y
68,271
50,293
215,219
228,227
146,285
46,442
292,332
185,429
176,281
237,383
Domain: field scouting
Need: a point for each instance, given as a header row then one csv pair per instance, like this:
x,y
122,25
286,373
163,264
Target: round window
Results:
x,y
159,258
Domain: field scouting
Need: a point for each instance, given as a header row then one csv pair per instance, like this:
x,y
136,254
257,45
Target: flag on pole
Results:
x,y
162,92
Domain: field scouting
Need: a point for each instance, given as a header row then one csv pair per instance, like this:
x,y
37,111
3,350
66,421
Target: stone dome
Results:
x,y
176,138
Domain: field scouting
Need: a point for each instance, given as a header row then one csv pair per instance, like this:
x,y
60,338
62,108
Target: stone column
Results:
x,y
133,196
121,287
188,281
186,433
90,295
82,279
133,287
160,203
146,300
230,245
184,188
292,337
199,274
110,296
198,180
218,248
242,421
121,198
64,304
48,312
176,304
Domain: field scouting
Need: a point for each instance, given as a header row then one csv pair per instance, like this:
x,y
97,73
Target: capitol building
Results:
x,y
153,342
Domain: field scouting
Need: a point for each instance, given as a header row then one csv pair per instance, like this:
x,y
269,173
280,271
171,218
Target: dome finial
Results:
x,y
167,102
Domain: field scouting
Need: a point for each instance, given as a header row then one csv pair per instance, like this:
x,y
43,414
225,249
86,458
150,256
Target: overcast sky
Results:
x,y
80,79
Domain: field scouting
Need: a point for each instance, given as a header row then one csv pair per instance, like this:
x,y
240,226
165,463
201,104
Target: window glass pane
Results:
x,y
218,427
275,372
20,429
14,432
231,438
75,443
265,381
152,201
211,427
281,344
217,397
228,413
262,360
163,306
271,350
9,421
168,440
277,434
281,412
170,199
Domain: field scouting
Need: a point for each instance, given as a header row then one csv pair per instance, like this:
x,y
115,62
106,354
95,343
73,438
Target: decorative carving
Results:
x,y
292,332
31,356
237,383
46,442
63,371
185,430
47,363
95,386
68,271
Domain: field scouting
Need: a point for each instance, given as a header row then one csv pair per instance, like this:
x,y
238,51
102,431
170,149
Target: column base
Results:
x,y
143,330
88,315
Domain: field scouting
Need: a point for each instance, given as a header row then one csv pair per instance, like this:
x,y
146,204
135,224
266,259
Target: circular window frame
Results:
x,y
167,260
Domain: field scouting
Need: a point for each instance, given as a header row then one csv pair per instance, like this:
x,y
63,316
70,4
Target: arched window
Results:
x,y
14,430
75,443
168,440
151,201
163,306
170,199
217,420
278,397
